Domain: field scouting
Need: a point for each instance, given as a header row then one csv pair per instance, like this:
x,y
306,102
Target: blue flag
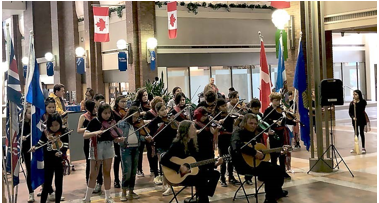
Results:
x,y
122,61
152,59
281,78
300,83
35,97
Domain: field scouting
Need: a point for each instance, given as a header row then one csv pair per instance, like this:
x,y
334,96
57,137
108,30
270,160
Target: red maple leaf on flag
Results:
x,y
172,20
101,24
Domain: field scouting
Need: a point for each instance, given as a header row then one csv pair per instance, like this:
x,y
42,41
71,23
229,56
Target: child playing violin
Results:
x,y
53,152
131,140
102,149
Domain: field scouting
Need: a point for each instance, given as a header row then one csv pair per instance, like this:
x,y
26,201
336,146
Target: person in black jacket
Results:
x,y
184,145
270,173
25,147
358,116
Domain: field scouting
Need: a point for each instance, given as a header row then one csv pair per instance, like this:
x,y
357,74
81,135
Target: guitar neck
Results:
x,y
204,162
268,151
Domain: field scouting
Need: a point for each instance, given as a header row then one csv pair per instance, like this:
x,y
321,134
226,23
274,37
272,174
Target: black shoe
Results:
x,y
270,201
249,182
233,181
286,176
284,193
140,174
223,182
117,184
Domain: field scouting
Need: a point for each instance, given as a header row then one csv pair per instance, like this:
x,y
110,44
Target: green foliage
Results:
x,y
159,89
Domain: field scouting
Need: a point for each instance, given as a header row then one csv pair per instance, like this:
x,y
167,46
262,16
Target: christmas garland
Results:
x,y
192,7
118,10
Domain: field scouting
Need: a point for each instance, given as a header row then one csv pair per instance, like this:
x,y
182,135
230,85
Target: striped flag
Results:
x,y
35,97
13,110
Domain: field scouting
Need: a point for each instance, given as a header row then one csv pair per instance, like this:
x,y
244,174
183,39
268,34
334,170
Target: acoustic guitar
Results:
x,y
175,178
262,148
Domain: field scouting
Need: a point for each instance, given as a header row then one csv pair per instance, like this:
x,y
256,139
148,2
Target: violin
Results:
x,y
143,131
289,115
122,112
145,105
174,123
115,131
55,138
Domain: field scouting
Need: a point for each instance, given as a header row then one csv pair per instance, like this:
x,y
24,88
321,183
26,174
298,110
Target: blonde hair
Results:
x,y
275,95
182,135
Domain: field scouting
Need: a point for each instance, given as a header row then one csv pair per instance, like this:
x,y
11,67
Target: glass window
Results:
x,y
349,79
222,77
178,77
337,72
362,78
241,82
199,79
256,81
273,74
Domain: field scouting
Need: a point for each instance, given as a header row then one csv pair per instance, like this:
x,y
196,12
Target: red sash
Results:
x,y
177,109
153,112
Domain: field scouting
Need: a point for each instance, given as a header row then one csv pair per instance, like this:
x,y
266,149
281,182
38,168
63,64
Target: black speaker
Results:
x,y
331,92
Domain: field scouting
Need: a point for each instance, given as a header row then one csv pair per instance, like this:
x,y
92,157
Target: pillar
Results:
x,y
18,49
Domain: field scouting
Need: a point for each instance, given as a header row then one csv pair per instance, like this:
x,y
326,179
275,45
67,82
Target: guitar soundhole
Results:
x,y
188,166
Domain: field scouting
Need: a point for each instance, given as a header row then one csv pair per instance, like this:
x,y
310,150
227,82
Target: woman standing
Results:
x,y
180,101
101,150
358,117
119,112
89,96
84,120
130,152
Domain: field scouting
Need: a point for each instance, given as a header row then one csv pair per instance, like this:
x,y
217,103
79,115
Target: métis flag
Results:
x,y
13,110
265,90
101,20
300,83
281,78
35,97
172,14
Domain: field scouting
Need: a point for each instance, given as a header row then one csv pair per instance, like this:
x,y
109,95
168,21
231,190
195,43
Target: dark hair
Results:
x,y
158,106
359,94
210,96
51,118
233,95
255,103
98,97
91,92
232,89
102,107
220,102
178,97
90,105
49,100
156,78
140,94
115,107
131,111
247,117
57,87
174,90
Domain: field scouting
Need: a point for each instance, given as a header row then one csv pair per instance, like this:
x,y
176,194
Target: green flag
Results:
x,y
284,40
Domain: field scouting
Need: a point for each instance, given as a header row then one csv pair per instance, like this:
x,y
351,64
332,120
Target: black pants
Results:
x,y
27,162
282,160
270,174
361,131
88,164
153,161
53,167
205,182
223,145
116,162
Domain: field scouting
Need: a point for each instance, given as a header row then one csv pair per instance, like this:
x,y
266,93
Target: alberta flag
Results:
x,y
281,68
300,83
35,97
13,110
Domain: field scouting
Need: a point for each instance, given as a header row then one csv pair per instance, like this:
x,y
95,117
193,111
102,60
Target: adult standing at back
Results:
x,y
57,95
89,96
211,86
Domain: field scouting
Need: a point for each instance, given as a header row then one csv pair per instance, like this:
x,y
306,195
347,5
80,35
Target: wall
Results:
x,y
338,7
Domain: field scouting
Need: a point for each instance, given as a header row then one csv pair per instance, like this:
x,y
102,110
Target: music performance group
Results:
x,y
181,139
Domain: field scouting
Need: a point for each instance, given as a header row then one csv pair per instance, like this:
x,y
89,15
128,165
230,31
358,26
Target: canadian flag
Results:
x,y
265,79
172,19
101,20
280,4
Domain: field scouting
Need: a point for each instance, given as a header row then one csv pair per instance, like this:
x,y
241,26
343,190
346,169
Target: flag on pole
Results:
x,y
35,97
13,109
280,4
300,83
101,20
172,19
281,77
265,89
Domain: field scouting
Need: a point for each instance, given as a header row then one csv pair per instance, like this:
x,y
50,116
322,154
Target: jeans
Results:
x,y
129,163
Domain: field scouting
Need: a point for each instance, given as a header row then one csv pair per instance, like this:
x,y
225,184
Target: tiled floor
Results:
x,y
334,187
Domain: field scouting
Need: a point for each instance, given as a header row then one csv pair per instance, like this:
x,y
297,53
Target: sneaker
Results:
x,y
249,182
52,196
140,174
97,189
223,183
117,184
123,198
31,197
233,181
40,193
160,178
363,151
133,195
109,200
168,192
287,177
157,181
352,151
85,201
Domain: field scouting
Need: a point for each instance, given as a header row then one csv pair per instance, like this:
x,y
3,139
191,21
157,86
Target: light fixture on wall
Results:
x,y
281,18
25,61
50,58
151,56
122,56
80,53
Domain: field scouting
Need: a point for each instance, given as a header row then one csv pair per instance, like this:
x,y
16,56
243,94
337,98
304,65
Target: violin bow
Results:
x,y
209,122
119,122
195,93
176,115
54,139
230,112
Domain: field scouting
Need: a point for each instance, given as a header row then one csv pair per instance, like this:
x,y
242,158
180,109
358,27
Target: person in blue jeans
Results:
x,y
129,150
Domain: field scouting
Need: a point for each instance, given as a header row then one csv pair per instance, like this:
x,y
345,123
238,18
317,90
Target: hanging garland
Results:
x,y
80,19
192,7
117,9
